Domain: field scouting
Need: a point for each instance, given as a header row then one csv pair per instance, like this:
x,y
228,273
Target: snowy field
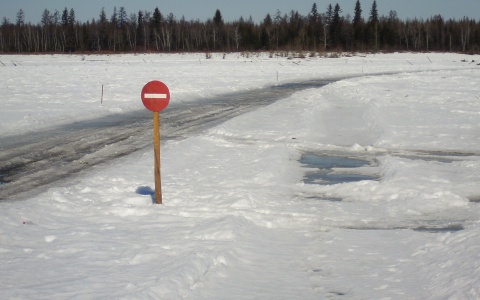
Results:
x,y
240,220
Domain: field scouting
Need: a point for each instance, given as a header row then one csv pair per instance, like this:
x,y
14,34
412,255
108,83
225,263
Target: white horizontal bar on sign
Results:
x,y
156,96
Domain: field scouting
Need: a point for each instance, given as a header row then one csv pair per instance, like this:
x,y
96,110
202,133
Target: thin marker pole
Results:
x,y
156,147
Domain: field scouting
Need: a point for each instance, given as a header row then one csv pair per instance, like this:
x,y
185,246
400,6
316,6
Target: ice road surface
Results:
x,y
239,220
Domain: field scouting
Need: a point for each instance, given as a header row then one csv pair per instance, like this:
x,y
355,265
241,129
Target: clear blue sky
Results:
x,y
233,9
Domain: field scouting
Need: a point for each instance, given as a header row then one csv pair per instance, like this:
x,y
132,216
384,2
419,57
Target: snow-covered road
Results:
x,y
38,159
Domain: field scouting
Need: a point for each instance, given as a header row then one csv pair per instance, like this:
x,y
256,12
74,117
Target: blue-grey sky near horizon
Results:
x,y
232,10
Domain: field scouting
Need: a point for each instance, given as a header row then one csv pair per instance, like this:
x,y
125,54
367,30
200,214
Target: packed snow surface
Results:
x,y
239,220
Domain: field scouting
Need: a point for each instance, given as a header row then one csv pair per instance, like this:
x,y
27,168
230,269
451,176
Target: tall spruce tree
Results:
x,y
217,28
122,17
374,13
357,19
141,30
373,22
157,17
102,30
336,27
70,45
113,35
329,14
218,19
114,18
358,25
313,26
20,17
46,18
65,17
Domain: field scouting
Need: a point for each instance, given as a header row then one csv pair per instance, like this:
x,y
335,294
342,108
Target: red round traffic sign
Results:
x,y
155,96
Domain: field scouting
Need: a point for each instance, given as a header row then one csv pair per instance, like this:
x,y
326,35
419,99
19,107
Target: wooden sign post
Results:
x,y
155,97
156,151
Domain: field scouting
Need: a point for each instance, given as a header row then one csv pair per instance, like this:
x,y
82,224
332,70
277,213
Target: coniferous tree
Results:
x,y
20,17
70,43
156,28
46,18
46,32
314,21
358,25
266,30
20,23
55,29
157,17
374,13
65,17
329,14
64,26
277,21
357,19
113,30
140,36
314,13
122,29
328,25
114,17
217,28
56,17
218,19
102,38
389,31
122,17
373,23
336,27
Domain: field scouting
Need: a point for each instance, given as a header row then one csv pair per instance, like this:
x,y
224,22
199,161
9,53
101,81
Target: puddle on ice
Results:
x,y
334,169
329,162
328,169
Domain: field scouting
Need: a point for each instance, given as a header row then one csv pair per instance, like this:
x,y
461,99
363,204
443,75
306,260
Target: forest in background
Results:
x,y
331,30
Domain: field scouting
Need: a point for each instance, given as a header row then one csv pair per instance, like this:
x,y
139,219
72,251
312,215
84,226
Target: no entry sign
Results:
x,y
155,96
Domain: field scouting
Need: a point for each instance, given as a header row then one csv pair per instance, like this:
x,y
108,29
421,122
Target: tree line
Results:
x,y
330,30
